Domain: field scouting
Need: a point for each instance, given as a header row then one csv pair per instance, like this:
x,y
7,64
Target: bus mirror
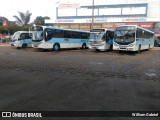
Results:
x,y
30,34
45,35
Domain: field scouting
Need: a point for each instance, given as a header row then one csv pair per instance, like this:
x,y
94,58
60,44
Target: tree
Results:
x,y
2,19
23,19
40,20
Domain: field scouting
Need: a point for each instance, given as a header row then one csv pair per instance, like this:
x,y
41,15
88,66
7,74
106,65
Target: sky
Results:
x,y
9,8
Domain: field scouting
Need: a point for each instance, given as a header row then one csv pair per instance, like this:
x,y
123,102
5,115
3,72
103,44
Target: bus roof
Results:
x,y
23,32
136,26
63,29
100,30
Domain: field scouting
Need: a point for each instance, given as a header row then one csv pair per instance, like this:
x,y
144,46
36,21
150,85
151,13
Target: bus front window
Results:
x,y
96,36
15,36
125,35
37,33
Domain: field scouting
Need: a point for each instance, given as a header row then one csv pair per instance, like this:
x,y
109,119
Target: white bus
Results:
x,y
101,39
132,38
21,39
47,37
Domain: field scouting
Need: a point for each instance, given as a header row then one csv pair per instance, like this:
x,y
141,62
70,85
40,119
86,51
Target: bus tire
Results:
x,y
149,47
84,46
111,47
56,47
139,49
24,45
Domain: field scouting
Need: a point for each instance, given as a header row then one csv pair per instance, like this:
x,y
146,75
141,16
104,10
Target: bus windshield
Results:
x,y
125,34
96,36
37,33
16,35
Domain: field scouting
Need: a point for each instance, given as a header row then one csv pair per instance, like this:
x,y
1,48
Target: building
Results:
x,y
108,14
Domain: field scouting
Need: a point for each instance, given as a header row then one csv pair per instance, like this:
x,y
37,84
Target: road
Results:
x,y
79,80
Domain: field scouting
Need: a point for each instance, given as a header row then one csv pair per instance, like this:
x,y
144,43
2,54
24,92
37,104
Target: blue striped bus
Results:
x,y
21,39
48,37
101,39
132,38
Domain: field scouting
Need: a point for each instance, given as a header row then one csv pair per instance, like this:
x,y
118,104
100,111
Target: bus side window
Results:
x,y
139,33
28,36
104,37
84,35
75,34
58,33
22,36
67,34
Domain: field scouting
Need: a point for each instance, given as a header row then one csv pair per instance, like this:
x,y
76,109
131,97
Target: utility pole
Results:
x,y
92,14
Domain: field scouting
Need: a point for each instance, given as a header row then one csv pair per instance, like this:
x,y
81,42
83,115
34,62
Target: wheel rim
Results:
x,y
84,46
23,46
56,47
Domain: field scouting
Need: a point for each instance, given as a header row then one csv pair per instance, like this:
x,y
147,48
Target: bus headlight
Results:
x,y
131,45
103,43
115,44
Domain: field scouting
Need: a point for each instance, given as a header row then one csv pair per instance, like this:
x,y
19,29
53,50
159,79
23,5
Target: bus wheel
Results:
x,y
148,47
24,46
139,49
56,47
111,47
84,46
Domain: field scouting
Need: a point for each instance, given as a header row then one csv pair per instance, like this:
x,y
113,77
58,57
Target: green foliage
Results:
x,y
12,27
40,20
21,24
2,19
23,19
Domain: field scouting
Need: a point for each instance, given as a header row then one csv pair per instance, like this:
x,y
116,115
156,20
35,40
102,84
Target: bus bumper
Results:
x,y
124,48
99,47
17,44
44,45
129,47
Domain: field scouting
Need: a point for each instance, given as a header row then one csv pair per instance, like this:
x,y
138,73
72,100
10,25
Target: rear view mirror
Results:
x,y
45,35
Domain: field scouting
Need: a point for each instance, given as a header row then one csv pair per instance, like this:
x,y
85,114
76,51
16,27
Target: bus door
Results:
x,y
67,39
109,37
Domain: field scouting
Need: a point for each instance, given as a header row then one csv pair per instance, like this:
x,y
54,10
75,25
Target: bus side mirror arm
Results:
x,y
45,36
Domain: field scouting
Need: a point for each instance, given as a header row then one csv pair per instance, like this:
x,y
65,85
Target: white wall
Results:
x,y
153,12
154,9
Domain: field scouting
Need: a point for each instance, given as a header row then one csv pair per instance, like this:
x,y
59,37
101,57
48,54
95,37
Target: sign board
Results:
x,y
4,23
73,5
